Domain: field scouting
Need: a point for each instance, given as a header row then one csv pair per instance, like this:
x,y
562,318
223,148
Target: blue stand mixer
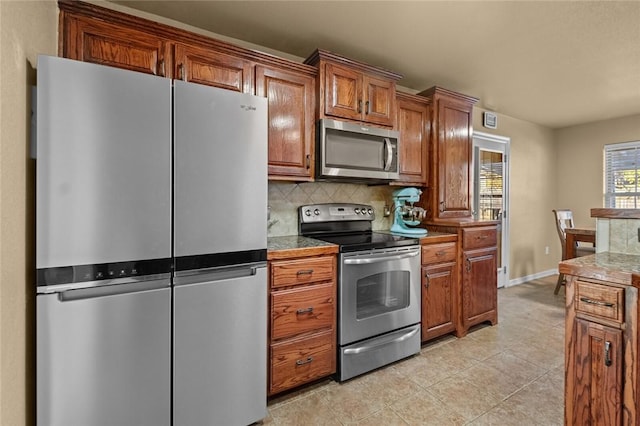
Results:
x,y
406,215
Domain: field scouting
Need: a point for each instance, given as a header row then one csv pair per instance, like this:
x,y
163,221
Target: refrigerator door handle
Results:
x,y
111,290
217,274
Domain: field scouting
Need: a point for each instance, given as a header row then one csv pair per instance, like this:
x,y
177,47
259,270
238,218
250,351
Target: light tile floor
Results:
x,y
508,374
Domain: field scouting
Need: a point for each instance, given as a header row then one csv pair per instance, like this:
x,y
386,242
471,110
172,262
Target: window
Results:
x,y
622,175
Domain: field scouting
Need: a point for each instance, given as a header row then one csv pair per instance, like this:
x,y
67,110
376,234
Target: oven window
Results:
x,y
382,293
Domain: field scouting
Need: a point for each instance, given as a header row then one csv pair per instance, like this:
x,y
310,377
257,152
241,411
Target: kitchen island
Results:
x,y
601,340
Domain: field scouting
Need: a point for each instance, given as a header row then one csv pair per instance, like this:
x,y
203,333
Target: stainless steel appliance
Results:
x,y
220,248
124,159
351,151
378,286
103,246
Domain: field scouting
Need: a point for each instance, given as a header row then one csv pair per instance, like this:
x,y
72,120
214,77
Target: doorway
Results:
x,y
491,191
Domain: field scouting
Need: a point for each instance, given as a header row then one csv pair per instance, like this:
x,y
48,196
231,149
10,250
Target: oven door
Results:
x,y
379,292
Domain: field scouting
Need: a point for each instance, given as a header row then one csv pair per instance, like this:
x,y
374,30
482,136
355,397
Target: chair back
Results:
x,y
564,220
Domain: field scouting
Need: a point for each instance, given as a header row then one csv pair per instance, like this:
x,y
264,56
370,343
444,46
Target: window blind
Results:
x,y
621,175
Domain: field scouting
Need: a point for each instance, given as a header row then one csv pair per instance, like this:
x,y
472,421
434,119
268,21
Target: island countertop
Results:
x,y
616,267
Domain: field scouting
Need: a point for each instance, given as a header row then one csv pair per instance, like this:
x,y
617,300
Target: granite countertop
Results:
x,y
606,266
290,246
293,242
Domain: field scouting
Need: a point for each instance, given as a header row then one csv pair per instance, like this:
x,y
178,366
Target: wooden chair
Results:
x,y
564,220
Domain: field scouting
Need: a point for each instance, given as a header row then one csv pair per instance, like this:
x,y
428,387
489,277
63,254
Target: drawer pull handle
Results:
x,y
305,272
597,302
482,237
607,354
305,310
440,253
468,265
427,281
304,361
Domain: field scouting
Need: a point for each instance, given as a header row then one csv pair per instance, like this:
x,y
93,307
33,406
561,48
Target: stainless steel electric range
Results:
x,y
378,286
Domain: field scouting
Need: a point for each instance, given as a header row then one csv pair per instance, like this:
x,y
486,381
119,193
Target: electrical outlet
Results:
x,y
546,250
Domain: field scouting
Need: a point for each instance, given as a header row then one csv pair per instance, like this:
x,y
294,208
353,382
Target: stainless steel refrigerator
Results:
x,y
117,344
103,245
220,248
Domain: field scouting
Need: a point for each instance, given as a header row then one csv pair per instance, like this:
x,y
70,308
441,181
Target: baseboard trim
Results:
x,y
535,276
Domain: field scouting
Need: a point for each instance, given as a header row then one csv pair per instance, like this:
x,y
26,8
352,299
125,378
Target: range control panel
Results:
x,y
335,212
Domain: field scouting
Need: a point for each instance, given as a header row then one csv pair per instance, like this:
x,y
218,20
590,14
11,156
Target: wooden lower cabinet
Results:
x,y
298,361
479,277
476,292
439,284
597,375
601,347
302,325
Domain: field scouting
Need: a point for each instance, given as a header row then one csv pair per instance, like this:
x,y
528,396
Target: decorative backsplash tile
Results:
x,y
618,235
285,198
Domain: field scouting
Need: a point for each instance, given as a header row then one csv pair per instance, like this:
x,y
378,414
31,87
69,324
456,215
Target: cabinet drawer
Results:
x,y
600,301
302,309
302,271
479,237
436,253
300,361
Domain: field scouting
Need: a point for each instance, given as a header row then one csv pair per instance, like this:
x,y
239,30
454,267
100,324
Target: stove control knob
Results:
x,y
356,210
370,211
307,212
316,212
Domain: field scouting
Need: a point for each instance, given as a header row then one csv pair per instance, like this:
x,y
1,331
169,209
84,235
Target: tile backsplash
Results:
x,y
285,198
617,235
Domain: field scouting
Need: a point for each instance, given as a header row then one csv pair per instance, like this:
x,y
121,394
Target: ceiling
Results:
x,y
554,63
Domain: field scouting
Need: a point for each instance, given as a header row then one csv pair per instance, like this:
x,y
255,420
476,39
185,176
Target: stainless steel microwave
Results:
x,y
350,151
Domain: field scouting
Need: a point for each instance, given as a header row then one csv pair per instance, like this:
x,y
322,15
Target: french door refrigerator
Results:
x,y
220,241
103,246
141,182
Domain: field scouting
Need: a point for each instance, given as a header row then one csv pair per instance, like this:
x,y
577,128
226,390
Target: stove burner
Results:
x,y
366,241
348,226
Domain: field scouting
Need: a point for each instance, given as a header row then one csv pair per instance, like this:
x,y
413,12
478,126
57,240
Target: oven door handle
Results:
x,y
393,338
381,258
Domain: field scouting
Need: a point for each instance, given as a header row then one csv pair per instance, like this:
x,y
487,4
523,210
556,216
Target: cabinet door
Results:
x,y
91,40
597,375
291,100
454,159
438,300
204,66
479,287
379,100
343,92
413,122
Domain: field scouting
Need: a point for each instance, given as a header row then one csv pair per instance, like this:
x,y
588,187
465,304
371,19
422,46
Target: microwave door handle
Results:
x,y
389,150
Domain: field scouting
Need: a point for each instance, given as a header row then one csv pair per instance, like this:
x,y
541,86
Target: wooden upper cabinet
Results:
x,y
379,100
355,91
205,66
413,124
92,33
291,99
105,43
343,91
449,194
